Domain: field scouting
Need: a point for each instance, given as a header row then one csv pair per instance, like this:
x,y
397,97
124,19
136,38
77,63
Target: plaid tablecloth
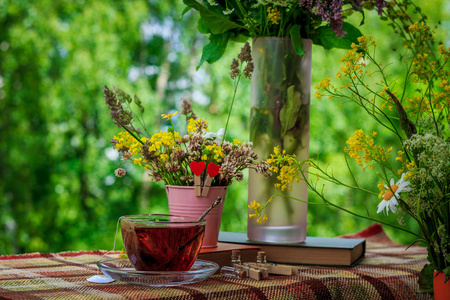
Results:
x,y
387,272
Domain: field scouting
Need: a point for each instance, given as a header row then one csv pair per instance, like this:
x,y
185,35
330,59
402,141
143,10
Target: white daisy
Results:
x,y
213,135
392,194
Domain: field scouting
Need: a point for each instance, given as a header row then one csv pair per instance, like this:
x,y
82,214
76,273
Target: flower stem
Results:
x,y
231,106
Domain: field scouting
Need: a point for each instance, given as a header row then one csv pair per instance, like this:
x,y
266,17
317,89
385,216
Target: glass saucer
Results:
x,y
122,269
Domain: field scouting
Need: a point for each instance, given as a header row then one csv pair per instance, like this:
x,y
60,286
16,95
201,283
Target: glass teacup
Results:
x,y
162,242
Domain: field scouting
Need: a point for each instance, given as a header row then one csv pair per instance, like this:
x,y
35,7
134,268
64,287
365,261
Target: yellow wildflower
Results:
x,y
273,15
237,142
126,141
411,165
254,205
381,188
322,87
362,44
197,125
169,116
414,27
276,150
138,161
360,142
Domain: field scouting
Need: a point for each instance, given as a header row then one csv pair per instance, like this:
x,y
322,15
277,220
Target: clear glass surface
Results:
x,y
280,117
162,242
122,269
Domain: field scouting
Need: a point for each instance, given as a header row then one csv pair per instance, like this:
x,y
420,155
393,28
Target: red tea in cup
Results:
x,y
162,242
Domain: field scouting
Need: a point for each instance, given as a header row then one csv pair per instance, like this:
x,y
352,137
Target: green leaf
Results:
x,y
446,272
215,22
290,110
239,38
185,10
426,279
297,39
215,49
326,38
201,27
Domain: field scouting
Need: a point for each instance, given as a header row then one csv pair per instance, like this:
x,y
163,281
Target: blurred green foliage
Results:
x,y
57,187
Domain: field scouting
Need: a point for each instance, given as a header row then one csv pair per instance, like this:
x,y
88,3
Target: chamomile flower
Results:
x,y
213,135
392,194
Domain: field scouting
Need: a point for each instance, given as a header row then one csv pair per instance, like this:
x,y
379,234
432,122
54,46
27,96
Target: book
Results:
x,y
222,253
313,251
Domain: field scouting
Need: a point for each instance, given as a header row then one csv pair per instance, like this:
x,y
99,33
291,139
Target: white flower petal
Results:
x,y
393,202
393,208
208,135
381,206
213,135
401,186
221,132
392,205
392,182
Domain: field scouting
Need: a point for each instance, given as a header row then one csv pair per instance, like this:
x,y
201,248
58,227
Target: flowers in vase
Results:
x,y
321,21
167,155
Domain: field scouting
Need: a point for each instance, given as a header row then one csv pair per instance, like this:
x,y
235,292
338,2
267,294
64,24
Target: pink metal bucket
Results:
x,y
183,202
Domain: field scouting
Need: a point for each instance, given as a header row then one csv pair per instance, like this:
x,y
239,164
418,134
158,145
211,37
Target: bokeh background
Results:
x,y
57,185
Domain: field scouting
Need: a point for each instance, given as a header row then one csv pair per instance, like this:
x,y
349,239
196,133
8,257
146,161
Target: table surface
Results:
x,y
388,271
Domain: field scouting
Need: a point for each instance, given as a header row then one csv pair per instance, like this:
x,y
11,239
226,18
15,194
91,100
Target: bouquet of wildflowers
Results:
x,y
236,20
415,172
167,155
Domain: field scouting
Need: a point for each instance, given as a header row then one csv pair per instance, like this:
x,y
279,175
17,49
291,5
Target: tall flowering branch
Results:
x,y
416,111
237,69
290,171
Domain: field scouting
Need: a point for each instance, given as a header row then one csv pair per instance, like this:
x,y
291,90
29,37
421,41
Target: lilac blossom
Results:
x,y
331,11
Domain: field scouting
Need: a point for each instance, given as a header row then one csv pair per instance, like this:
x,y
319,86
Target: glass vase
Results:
x,y
280,113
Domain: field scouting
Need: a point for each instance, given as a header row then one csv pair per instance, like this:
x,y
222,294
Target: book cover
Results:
x,y
313,251
222,253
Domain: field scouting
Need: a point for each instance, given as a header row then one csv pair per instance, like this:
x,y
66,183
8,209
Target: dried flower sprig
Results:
x,y
237,70
115,101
